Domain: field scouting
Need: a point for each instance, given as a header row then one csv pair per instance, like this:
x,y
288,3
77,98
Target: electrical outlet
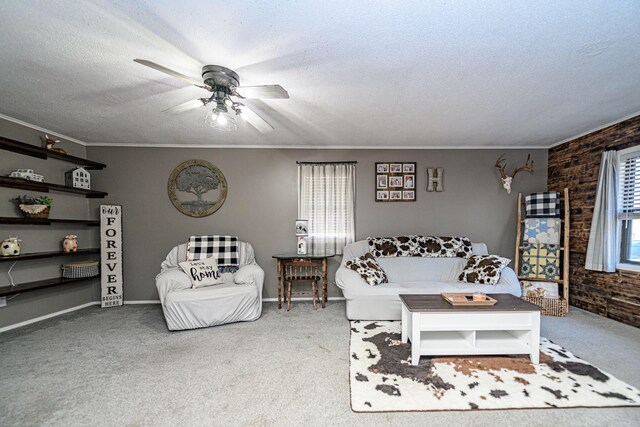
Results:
x,y
3,301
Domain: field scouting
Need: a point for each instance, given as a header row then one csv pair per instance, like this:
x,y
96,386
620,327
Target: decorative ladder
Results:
x,y
550,307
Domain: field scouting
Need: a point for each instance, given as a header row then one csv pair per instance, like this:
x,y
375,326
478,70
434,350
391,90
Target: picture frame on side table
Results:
x,y
302,245
302,227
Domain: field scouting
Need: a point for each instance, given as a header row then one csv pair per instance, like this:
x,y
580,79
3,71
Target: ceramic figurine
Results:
x,y
49,144
70,243
10,246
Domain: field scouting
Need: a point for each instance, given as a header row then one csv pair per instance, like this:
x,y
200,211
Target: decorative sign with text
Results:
x,y
111,255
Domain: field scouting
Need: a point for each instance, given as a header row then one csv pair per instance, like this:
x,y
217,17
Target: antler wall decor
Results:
x,y
506,180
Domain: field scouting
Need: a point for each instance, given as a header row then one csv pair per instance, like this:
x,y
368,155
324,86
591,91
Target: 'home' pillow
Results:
x,y
368,268
484,269
203,272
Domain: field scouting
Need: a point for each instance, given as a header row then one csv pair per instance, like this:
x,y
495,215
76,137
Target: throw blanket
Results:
x,y
420,246
223,248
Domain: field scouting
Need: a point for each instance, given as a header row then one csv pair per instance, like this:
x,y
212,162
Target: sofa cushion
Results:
x,y
368,268
444,247
420,246
483,269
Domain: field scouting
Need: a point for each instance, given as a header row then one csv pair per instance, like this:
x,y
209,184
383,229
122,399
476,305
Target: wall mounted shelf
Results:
x,y
48,221
39,284
43,153
25,184
51,254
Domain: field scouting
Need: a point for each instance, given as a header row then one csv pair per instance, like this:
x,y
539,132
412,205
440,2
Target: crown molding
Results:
x,y
317,147
41,129
615,122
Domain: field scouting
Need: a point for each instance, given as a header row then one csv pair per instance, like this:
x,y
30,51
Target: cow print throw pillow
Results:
x,y
420,246
368,268
485,269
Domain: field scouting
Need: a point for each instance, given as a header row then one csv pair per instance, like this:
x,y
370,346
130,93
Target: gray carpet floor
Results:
x,y
122,367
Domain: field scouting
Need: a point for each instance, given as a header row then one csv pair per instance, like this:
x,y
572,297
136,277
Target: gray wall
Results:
x,y
42,238
261,205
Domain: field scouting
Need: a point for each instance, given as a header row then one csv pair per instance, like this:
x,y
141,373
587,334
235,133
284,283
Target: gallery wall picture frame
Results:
x,y
395,181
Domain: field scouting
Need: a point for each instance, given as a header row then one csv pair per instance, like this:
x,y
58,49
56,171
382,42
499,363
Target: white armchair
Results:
x,y
239,299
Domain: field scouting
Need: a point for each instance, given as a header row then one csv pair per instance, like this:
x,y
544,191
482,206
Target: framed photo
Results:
x,y
409,181
302,227
395,168
381,181
395,181
382,195
302,245
382,167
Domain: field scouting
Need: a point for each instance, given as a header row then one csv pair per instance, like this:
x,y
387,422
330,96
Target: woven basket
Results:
x,y
550,307
42,214
80,270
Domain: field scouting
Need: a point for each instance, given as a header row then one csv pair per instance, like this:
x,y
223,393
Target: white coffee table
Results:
x,y
437,328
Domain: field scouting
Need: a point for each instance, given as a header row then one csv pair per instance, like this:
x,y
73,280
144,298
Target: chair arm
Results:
x,y
250,274
173,279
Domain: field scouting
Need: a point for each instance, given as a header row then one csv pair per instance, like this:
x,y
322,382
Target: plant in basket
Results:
x,y
34,207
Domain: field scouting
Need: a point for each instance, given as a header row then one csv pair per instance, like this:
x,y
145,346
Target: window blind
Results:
x,y
630,186
326,198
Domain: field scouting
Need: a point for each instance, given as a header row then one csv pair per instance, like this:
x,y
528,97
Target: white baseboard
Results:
x,y
131,302
48,316
302,299
142,301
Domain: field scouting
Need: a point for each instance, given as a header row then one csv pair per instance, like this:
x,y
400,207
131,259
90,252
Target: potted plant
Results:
x,y
34,207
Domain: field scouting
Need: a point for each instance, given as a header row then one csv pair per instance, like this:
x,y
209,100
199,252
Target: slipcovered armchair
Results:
x,y
239,299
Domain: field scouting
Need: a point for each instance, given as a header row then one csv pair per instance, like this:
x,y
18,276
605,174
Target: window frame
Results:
x,y
624,225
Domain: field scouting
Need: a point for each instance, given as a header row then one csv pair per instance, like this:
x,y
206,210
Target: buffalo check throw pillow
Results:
x,y
545,204
223,248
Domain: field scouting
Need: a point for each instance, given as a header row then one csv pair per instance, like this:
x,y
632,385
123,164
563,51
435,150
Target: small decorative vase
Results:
x,y
10,246
70,243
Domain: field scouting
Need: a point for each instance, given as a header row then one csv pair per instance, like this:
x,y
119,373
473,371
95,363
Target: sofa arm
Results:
x,y
347,280
251,274
508,277
173,279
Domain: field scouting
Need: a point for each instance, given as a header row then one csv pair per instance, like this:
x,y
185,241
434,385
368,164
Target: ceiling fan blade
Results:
x,y
255,120
171,73
264,92
185,106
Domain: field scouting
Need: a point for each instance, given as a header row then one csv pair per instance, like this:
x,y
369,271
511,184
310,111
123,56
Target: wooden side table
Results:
x,y
319,259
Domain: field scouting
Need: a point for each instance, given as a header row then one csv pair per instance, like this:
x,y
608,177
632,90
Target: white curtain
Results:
x,y
326,198
603,247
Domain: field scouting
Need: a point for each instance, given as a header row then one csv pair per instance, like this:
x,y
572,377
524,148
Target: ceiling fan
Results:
x,y
224,84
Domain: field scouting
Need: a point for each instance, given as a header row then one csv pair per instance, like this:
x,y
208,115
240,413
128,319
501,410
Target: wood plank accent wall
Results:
x,y
576,165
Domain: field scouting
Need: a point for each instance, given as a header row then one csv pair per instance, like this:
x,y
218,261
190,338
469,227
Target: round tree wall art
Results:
x,y
197,188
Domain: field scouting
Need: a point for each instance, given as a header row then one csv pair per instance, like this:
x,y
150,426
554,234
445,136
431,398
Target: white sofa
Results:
x,y
239,299
409,275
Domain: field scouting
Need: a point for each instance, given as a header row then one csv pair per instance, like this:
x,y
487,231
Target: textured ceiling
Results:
x,y
360,73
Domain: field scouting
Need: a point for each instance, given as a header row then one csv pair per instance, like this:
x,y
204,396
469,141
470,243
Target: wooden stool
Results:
x,y
302,272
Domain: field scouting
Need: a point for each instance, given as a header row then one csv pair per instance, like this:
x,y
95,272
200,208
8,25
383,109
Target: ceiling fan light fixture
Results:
x,y
220,119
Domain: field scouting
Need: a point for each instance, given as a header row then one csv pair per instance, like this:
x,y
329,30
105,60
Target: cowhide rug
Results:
x,y
382,379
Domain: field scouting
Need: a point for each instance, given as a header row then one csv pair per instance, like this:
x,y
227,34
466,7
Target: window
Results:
x,y
629,205
326,198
